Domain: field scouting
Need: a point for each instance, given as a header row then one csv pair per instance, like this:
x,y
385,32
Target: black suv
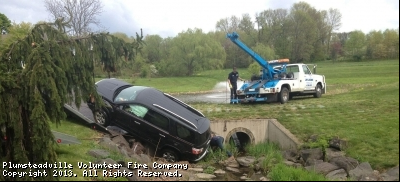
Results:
x,y
179,130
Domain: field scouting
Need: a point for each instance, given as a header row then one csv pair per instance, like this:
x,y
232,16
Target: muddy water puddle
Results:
x,y
219,94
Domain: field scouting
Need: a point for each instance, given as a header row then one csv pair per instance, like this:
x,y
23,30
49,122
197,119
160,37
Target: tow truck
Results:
x,y
278,80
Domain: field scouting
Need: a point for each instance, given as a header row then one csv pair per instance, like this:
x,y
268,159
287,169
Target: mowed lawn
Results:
x,y
361,106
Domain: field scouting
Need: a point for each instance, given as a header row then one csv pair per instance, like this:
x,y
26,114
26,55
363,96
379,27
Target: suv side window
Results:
x,y
137,110
185,133
157,119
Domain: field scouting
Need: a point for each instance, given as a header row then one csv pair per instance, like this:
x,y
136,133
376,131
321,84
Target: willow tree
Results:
x,y
38,74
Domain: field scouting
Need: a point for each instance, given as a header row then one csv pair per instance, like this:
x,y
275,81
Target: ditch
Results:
x,y
239,141
245,172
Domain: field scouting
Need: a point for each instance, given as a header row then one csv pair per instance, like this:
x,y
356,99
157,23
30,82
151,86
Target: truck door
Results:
x,y
297,84
308,78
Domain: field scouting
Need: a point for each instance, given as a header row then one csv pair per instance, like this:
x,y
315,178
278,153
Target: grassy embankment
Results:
x,y
74,153
361,106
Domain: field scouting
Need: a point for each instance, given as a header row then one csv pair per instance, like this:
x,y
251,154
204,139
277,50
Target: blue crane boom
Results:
x,y
268,69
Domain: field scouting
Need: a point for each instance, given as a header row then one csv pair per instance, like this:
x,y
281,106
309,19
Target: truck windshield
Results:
x,y
128,94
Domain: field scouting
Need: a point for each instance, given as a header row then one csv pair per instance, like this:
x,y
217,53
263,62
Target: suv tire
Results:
x,y
101,117
169,155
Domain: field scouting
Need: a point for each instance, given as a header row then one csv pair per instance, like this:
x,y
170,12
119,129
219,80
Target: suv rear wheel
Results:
x,y
101,117
169,155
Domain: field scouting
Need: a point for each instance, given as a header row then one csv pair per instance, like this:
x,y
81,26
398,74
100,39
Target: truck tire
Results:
x,y
284,95
318,91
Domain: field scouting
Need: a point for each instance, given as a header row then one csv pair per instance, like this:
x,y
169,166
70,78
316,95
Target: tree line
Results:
x,y
301,33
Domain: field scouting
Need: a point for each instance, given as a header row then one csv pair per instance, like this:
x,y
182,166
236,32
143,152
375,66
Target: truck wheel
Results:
x,y
318,91
284,95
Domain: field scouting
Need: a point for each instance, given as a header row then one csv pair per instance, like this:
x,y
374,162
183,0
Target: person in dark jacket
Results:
x,y
218,141
232,81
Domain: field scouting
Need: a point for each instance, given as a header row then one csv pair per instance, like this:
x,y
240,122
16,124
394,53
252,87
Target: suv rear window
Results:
x,y
202,138
185,133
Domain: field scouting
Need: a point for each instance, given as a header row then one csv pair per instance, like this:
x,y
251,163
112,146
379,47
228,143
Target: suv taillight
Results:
x,y
196,151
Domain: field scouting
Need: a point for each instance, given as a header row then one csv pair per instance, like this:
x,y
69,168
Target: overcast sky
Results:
x,y
169,17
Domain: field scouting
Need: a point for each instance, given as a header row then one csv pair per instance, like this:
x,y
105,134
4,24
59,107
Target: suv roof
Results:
x,y
164,102
107,87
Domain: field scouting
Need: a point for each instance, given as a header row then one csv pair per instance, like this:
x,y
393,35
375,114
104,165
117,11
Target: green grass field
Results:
x,y
361,106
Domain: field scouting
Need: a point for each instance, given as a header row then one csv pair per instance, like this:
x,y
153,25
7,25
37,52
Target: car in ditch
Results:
x,y
177,130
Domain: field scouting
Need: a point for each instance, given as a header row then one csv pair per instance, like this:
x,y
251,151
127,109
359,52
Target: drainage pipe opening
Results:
x,y
240,140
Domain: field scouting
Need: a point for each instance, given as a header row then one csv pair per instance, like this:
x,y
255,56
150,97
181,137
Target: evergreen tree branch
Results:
x,y
38,75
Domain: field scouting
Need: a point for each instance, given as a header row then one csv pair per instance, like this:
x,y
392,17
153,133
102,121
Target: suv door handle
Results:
x,y
137,122
162,135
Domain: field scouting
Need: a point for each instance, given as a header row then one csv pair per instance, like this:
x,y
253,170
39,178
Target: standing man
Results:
x,y
232,81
